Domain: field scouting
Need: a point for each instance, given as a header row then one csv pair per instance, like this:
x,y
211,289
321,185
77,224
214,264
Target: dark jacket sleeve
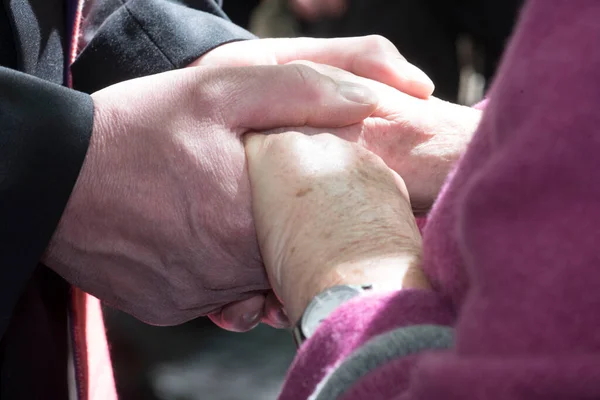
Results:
x,y
43,142
144,37
46,128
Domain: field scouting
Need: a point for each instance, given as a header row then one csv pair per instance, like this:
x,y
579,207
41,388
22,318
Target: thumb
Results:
x,y
240,316
267,97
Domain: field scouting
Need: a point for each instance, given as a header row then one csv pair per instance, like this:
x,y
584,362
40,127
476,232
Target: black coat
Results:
x,y
44,134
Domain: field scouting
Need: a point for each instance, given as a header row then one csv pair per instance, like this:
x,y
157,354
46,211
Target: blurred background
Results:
x,y
458,43
196,360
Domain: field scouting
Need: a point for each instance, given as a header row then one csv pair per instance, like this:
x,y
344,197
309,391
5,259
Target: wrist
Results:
x,y
384,273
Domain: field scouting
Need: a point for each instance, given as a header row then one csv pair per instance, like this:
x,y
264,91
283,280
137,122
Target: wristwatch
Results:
x,y
321,306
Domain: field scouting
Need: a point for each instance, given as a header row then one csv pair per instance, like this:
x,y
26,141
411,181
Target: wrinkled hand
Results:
x,y
311,10
419,139
372,57
327,212
159,223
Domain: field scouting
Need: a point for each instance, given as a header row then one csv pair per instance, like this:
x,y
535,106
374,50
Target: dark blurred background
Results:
x,y
458,43
196,360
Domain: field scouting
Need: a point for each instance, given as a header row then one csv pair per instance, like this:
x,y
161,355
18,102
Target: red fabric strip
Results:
x,y
93,368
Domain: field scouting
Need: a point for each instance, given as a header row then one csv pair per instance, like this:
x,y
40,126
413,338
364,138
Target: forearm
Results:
x,y
384,272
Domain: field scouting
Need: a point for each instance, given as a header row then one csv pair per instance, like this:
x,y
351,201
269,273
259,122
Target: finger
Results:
x,y
240,316
265,97
385,94
372,57
274,314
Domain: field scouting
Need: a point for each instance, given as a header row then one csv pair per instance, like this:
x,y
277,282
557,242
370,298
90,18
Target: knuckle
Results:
x,y
206,88
311,81
283,151
303,73
369,160
213,84
217,91
373,160
329,139
380,44
284,143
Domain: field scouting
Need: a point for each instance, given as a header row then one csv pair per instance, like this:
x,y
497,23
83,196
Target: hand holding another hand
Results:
x,y
372,57
420,139
417,136
330,211
159,223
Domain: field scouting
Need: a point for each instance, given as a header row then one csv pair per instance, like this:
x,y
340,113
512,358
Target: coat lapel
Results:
x,y
39,36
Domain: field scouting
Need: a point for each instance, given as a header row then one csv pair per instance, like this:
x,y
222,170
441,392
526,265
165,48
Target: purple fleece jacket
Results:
x,y
512,246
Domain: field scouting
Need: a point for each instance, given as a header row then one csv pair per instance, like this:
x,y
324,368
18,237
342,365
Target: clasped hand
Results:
x,y
160,221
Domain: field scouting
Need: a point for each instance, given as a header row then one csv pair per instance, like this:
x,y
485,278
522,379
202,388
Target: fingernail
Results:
x,y
413,73
251,318
357,93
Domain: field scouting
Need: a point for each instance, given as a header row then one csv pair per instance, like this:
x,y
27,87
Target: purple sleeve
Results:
x,y
527,230
351,326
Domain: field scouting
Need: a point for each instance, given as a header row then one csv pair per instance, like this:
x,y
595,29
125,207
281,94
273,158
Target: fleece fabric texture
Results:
x,y
511,246
382,349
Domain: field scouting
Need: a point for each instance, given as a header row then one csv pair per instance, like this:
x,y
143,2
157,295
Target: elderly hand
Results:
x,y
159,223
419,139
372,57
328,212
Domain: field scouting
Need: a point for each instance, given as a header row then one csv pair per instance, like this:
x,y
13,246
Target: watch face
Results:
x,y
324,304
